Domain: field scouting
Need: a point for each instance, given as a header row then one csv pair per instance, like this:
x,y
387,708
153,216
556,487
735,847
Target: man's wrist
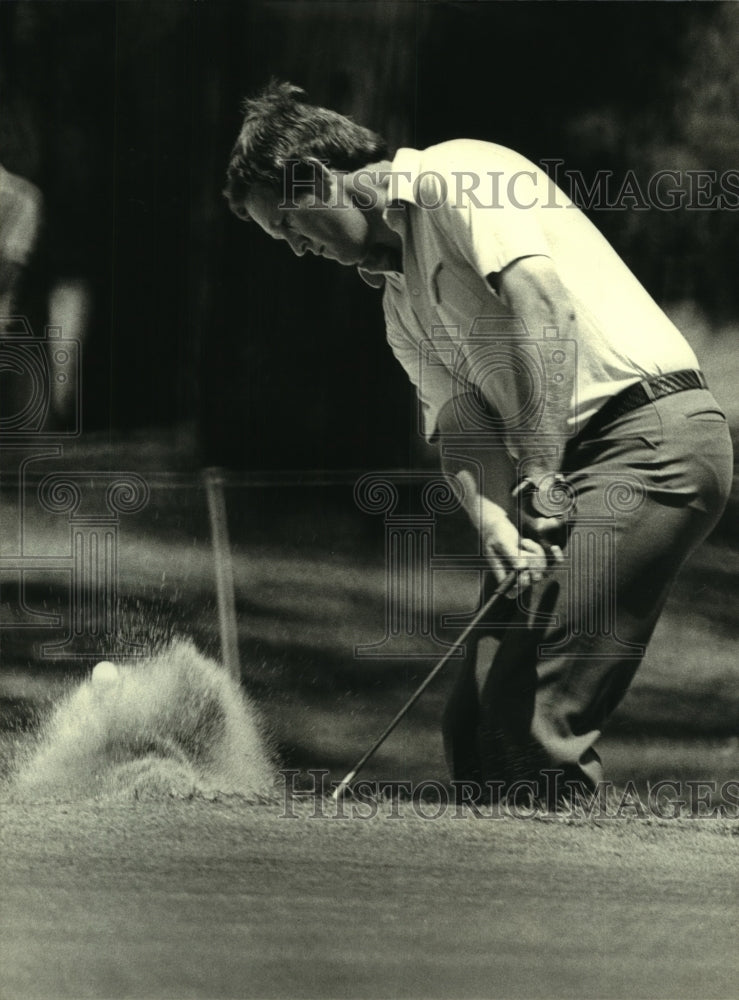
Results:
x,y
548,493
536,480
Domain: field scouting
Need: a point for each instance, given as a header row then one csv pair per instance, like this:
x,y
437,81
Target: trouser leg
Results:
x,y
575,641
461,720
460,724
552,685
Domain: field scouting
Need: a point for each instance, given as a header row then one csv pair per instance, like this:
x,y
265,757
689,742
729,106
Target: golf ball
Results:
x,y
105,673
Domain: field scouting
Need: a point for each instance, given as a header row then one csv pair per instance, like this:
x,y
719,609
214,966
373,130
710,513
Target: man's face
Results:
x,y
319,224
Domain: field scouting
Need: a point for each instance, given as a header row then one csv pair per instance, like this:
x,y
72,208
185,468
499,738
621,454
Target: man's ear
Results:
x,y
325,180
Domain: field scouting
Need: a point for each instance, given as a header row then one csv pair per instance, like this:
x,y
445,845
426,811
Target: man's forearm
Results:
x,y
484,456
541,449
533,293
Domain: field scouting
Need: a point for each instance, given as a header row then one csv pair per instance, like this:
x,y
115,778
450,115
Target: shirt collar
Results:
x,y
404,170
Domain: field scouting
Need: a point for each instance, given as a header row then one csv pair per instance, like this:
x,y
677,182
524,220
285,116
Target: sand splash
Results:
x,y
176,724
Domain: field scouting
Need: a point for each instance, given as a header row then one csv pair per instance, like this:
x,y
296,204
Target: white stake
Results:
x,y
213,479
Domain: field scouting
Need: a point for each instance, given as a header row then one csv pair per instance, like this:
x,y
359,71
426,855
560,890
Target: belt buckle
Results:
x,y
646,385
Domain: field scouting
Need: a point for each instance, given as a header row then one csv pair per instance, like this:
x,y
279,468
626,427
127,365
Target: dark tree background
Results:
x,y
124,114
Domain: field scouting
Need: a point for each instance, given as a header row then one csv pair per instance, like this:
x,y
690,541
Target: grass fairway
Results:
x,y
170,897
219,899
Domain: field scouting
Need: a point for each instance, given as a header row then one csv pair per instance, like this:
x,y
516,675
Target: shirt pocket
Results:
x,y
458,299
710,413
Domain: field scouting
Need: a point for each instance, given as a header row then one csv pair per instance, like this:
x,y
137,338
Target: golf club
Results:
x,y
504,587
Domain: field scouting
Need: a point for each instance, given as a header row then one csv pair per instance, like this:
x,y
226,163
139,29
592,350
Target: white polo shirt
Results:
x,y
465,209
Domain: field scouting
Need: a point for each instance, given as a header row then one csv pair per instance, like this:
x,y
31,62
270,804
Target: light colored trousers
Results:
x,y
541,679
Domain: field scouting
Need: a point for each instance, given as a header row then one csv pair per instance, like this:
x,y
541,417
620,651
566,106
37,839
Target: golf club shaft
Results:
x,y
500,592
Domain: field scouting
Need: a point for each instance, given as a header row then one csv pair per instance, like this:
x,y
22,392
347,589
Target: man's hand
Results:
x,y
504,548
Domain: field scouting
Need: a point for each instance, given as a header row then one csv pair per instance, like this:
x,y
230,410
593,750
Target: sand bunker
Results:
x,y
174,724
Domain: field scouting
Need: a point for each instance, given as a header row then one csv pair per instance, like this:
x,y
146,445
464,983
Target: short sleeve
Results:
x,y
486,207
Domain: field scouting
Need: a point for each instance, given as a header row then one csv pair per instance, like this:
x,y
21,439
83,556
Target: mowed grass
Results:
x,y
218,899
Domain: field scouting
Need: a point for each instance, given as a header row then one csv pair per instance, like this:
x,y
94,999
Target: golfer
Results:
x,y
570,413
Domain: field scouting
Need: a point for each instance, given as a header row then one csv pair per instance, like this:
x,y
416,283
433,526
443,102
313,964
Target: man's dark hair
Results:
x,y
280,128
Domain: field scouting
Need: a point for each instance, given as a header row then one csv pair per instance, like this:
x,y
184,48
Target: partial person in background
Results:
x,y
21,211
62,303
21,208
571,413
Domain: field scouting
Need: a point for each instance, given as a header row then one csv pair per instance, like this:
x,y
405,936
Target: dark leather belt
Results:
x,y
641,393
